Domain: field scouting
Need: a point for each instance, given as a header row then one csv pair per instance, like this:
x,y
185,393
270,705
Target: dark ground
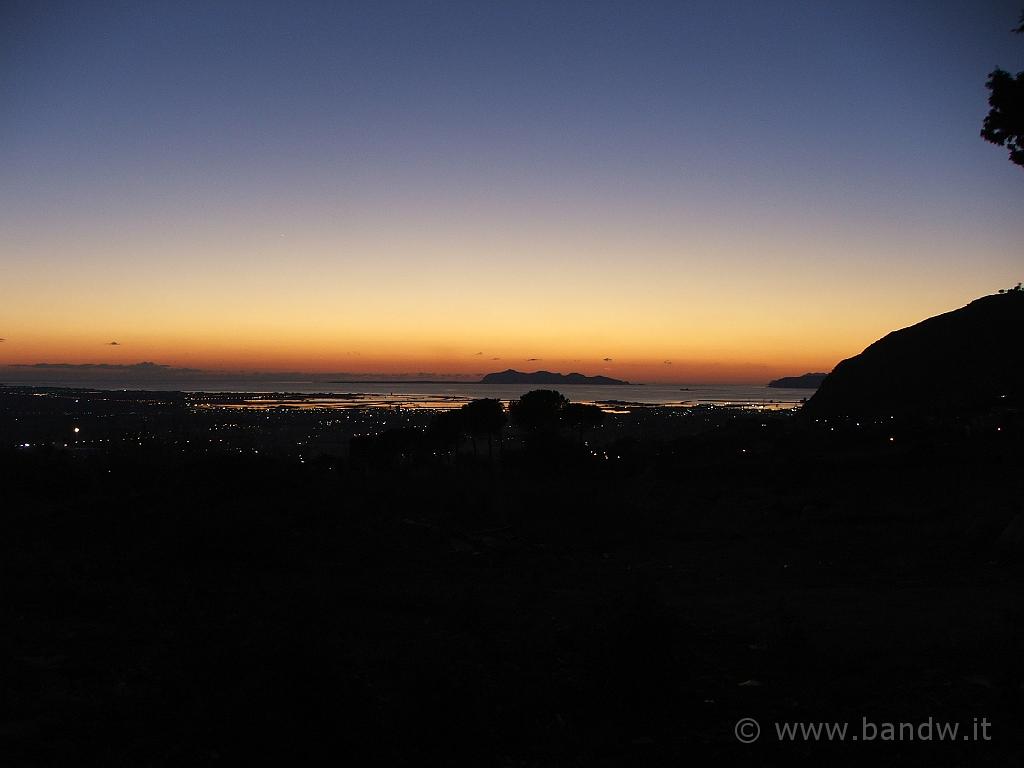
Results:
x,y
171,605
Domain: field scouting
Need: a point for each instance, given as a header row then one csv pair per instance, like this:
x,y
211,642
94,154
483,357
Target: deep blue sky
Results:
x,y
802,144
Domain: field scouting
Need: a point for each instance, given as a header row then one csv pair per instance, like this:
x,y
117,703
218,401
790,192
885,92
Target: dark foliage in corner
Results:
x,y
1004,124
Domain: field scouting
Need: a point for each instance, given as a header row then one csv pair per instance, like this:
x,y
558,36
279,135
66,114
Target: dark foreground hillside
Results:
x,y
544,608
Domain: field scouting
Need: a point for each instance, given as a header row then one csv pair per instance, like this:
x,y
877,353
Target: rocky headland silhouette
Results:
x,y
965,360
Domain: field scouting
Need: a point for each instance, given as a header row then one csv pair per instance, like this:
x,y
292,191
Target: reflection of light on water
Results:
x,y
359,401
748,405
347,402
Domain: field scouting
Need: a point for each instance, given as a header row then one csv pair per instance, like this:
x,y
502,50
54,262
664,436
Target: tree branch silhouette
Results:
x,y
1004,124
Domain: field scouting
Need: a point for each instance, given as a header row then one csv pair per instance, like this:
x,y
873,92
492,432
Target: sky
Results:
x,y
657,191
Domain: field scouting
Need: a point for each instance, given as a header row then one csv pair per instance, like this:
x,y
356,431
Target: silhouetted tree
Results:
x,y
446,429
483,417
538,411
390,448
582,417
1004,124
400,444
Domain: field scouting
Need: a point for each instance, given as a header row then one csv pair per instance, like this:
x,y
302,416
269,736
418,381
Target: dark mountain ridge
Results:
x,y
806,381
963,360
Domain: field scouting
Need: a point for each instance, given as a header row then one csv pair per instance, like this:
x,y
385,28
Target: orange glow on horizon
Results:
x,y
709,304
711,357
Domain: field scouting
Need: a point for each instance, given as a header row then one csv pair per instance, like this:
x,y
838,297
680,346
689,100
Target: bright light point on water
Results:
x,y
76,430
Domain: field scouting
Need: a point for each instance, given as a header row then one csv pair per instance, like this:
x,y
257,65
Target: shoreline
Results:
x,y
327,400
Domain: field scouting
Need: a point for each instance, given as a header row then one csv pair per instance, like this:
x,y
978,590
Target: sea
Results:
x,y
434,394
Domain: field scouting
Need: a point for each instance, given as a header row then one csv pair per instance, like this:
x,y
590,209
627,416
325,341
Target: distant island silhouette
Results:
x,y
511,376
806,381
962,360
399,381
